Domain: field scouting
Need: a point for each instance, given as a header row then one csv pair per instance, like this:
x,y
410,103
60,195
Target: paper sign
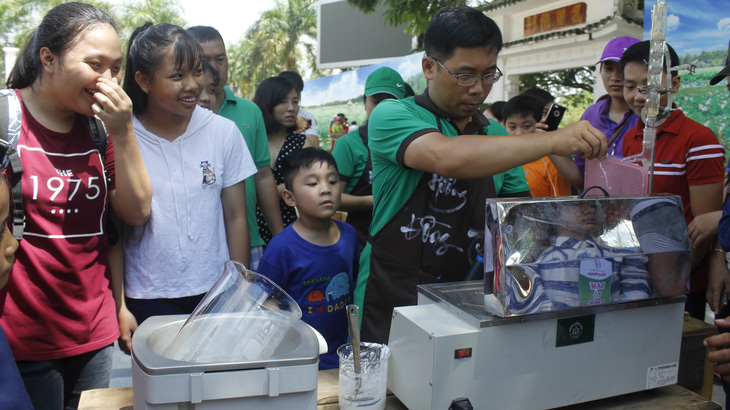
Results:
x,y
594,283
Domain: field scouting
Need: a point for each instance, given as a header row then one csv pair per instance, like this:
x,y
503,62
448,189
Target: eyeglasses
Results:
x,y
467,80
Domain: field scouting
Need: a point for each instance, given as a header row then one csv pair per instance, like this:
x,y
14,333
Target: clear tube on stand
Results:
x,y
654,81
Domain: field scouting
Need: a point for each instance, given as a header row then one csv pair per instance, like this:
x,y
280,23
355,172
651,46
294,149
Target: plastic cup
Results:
x,y
366,389
243,317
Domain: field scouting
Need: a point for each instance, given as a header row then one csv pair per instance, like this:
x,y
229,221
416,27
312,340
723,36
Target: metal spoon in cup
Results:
x,y
353,321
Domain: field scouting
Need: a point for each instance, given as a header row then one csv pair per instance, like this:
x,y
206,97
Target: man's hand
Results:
x,y
579,138
719,280
721,357
703,227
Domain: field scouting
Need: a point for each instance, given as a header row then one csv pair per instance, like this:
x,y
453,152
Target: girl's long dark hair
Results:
x,y
147,46
59,31
269,94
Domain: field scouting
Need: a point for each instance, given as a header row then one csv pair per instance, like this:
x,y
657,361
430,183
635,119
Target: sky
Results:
x,y
693,26
234,19
231,18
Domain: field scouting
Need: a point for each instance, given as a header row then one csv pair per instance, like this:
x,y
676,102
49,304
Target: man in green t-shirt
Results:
x,y
261,186
353,156
431,163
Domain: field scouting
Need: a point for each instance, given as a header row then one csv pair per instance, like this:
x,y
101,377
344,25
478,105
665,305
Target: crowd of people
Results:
x,y
191,175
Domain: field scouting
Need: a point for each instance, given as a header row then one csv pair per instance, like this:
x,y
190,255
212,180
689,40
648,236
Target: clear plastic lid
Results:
x,y
243,317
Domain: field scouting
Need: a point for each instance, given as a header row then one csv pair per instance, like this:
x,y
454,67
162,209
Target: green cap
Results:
x,y
385,80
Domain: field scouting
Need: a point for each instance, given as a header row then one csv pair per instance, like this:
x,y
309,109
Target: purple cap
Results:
x,y
616,47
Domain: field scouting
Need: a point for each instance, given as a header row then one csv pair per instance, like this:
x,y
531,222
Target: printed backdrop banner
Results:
x,y
342,93
699,31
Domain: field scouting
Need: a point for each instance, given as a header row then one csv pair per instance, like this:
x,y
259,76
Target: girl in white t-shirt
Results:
x,y
197,162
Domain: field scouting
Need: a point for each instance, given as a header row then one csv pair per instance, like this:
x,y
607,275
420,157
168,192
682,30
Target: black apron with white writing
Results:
x,y
361,219
434,237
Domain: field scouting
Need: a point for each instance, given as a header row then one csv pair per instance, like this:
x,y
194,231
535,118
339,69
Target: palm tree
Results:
x,y
296,21
282,39
134,15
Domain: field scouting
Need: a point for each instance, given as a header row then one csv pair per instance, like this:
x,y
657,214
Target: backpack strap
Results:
x,y
98,133
101,138
10,124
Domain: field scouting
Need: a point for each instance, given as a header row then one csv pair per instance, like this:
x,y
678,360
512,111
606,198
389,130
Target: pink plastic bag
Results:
x,y
617,177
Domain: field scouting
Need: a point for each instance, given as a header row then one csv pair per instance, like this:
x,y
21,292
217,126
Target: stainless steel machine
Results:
x,y
582,299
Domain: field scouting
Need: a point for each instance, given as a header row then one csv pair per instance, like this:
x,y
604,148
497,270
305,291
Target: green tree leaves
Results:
x,y
282,39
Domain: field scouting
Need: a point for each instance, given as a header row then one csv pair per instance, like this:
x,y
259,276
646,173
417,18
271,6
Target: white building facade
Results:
x,y
550,35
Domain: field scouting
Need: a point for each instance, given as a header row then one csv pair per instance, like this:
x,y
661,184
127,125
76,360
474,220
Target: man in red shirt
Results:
x,y
688,160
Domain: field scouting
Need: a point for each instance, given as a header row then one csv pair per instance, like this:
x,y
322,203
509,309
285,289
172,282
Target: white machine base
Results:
x,y
518,366
287,380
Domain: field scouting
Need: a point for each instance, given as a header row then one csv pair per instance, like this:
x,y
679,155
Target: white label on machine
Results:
x,y
664,375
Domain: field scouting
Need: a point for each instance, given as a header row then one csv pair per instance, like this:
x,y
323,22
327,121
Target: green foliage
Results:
x,y
714,58
19,17
135,14
706,104
282,39
575,105
560,82
416,14
15,20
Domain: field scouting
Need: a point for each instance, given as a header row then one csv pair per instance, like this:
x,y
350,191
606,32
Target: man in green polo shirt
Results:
x,y
261,186
431,163
353,156
355,167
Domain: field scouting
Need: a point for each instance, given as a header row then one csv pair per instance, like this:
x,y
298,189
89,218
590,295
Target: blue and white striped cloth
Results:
x,y
555,276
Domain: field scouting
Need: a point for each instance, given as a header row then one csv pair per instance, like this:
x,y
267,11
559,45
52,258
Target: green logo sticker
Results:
x,y
575,330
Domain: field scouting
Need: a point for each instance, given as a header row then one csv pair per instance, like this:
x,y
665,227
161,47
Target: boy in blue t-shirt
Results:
x,y
315,258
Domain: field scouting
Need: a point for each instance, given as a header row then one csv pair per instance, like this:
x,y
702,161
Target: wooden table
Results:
x,y
674,397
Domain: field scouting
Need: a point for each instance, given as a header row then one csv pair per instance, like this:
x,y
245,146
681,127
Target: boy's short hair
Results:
x,y
205,33
639,53
541,95
524,106
453,27
304,158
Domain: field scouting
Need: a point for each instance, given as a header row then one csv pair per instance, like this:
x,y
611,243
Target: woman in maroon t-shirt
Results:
x,y
58,310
